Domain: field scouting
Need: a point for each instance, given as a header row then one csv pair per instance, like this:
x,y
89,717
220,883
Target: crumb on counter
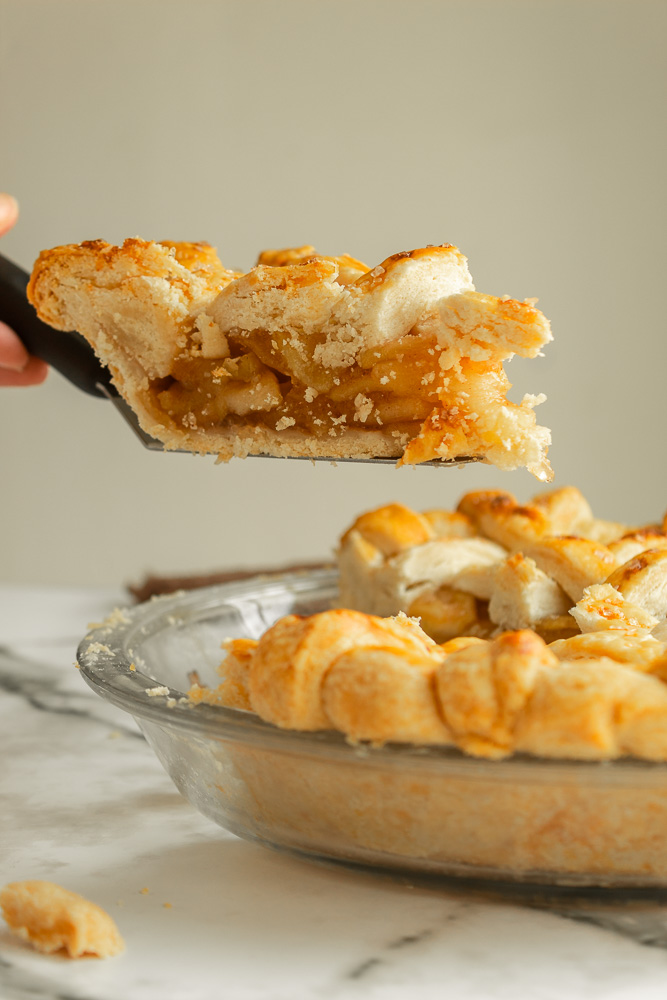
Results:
x,y
54,919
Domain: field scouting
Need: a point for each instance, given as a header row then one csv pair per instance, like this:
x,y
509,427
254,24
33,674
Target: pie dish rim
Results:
x,y
106,659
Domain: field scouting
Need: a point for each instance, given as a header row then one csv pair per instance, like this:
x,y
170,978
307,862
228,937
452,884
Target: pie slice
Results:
x,y
304,355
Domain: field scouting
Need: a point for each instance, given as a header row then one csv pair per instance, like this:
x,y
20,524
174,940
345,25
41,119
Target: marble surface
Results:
x,y
83,802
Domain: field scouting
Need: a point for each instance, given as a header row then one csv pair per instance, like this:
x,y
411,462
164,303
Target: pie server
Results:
x,y
72,356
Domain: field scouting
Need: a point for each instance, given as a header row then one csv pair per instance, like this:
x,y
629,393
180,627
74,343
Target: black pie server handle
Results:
x,y
68,353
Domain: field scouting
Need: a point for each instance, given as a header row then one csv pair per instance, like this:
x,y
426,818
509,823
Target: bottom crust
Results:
x,y
240,441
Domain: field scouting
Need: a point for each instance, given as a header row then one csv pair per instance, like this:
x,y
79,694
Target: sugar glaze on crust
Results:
x,y
305,354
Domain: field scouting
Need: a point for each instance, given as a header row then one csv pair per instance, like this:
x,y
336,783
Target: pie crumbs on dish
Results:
x,y
305,355
53,919
542,641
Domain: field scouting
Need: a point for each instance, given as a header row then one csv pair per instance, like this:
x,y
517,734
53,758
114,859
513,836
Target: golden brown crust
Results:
x,y
383,680
292,658
632,543
484,689
532,583
566,509
380,693
288,255
449,523
444,612
530,576
638,650
108,265
202,259
603,607
596,710
392,528
574,563
499,516
643,580
561,512
233,692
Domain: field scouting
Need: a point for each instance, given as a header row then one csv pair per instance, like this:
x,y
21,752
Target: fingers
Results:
x,y
16,365
9,212
13,354
34,373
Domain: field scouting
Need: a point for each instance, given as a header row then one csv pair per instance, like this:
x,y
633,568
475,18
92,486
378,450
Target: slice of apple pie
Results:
x,y
304,355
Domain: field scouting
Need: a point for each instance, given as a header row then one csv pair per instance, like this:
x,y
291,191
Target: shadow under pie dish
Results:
x,y
413,808
305,355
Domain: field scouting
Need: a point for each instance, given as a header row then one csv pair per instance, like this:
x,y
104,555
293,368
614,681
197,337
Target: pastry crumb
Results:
x,y
54,919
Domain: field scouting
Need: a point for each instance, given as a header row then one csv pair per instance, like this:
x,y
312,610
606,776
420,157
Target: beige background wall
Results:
x,y
529,133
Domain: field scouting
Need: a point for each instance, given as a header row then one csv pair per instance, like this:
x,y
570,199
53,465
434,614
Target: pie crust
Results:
x,y
304,355
542,642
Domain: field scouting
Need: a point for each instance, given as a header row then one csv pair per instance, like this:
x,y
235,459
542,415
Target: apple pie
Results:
x,y
520,635
305,355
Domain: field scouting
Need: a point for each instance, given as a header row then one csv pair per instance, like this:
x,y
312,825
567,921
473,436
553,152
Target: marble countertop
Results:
x,y
84,803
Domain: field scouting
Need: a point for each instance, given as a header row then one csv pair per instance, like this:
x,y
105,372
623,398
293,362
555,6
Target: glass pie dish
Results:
x,y
412,809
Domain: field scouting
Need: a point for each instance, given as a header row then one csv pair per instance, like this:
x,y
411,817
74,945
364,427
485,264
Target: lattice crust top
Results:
x,y
559,653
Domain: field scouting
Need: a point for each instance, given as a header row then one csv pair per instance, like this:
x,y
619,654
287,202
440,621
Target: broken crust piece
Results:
x,y
304,355
603,607
52,919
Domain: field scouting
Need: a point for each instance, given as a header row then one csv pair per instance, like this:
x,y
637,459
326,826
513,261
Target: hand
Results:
x,y
17,367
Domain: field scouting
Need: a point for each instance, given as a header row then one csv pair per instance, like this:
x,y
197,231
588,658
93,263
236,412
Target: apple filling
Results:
x,y
395,387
